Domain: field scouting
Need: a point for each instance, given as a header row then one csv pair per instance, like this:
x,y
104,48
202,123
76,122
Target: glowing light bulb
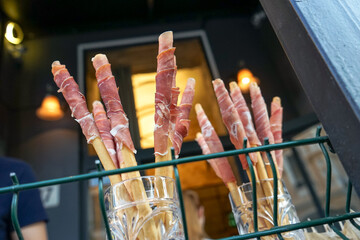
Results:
x,y
14,33
245,80
50,109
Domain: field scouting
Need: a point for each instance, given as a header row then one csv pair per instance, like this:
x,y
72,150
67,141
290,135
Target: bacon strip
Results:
x,y
182,121
104,127
231,120
165,80
276,119
244,114
210,143
110,96
76,100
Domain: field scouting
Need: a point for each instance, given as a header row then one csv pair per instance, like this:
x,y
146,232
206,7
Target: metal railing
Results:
x,y
277,230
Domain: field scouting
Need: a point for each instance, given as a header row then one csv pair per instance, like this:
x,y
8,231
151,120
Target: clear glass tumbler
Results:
x,y
145,208
243,210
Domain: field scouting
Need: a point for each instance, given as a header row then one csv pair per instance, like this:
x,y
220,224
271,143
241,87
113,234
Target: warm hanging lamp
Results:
x,y
244,78
50,109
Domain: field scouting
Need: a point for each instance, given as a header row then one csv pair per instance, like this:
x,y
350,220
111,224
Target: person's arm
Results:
x,y
35,231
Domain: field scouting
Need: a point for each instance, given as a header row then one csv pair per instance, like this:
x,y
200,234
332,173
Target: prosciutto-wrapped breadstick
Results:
x,y
210,143
244,114
231,119
119,121
221,166
246,119
237,134
165,87
262,122
121,133
77,103
276,119
182,120
104,127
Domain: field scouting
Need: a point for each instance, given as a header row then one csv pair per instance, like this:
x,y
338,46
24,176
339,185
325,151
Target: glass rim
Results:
x,y
141,177
115,201
247,188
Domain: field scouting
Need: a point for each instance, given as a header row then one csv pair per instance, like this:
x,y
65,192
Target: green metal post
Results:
x,y
348,205
181,200
14,206
276,190
253,183
328,185
102,202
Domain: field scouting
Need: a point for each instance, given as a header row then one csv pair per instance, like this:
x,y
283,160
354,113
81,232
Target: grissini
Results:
x,y
77,103
165,88
276,120
262,123
182,121
237,133
104,127
120,131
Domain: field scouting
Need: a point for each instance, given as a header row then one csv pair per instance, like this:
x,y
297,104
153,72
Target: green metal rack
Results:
x,y
276,230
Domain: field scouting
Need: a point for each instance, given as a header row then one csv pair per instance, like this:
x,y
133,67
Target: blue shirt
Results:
x,y
30,209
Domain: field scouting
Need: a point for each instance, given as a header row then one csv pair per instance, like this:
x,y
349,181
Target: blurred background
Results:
x,y
229,39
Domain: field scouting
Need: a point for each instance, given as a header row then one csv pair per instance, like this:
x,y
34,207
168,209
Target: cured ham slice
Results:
x,y
174,111
210,143
165,81
121,133
110,96
182,121
276,120
104,127
261,117
76,100
231,119
244,114
262,122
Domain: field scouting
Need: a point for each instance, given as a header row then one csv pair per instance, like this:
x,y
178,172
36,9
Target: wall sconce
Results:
x,y
14,34
50,109
244,78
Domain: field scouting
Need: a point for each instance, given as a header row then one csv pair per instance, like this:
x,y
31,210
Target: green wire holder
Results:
x,y
276,190
14,206
102,202
181,199
253,181
276,230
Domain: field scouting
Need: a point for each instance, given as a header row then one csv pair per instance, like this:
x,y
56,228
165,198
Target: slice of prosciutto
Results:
x,y
165,82
110,96
276,120
261,118
244,114
182,120
76,100
174,111
210,143
104,127
231,120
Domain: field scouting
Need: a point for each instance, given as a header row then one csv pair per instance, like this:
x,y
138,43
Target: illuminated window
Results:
x,y
134,68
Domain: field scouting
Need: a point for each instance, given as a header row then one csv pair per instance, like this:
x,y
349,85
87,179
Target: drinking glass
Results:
x,y
145,208
243,210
